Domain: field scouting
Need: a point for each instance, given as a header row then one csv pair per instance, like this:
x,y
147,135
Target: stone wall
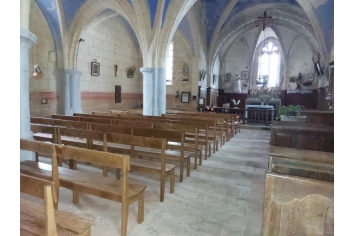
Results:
x,y
182,54
42,54
110,42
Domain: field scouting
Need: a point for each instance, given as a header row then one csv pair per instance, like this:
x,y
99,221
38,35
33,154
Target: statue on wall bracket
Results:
x,y
185,72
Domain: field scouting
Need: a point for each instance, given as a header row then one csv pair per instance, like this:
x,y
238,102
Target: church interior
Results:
x,y
176,117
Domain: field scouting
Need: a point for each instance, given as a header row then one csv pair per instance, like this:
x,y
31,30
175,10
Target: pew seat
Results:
x,y
90,183
32,218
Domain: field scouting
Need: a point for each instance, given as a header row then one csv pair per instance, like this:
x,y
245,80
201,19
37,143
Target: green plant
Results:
x,y
288,111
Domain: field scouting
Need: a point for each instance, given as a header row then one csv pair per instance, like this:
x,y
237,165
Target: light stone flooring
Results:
x,y
223,197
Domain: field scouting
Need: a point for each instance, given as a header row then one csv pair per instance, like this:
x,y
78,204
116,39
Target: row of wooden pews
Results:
x,y
35,176
299,194
125,142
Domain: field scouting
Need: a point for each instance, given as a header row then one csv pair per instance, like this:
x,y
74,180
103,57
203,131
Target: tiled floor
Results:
x,y
223,197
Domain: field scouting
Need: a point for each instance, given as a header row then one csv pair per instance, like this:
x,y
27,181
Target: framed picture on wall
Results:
x,y
185,97
311,77
292,79
244,75
131,73
95,69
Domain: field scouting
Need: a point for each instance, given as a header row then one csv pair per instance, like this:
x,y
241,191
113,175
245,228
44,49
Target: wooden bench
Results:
x,y
196,149
91,183
122,120
232,119
227,125
303,163
99,141
38,220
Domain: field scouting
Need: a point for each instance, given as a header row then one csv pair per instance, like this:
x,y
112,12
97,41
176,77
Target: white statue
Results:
x,y
237,87
185,72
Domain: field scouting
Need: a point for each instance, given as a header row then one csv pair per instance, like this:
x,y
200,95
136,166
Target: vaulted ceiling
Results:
x,y
221,18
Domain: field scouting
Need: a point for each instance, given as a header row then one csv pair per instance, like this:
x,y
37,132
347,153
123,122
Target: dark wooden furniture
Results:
x,y
309,138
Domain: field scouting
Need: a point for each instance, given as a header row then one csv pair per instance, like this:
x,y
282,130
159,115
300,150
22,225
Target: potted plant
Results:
x,y
290,114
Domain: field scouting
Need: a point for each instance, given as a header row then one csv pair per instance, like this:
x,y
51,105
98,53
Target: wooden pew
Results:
x,y
232,120
121,120
303,163
303,137
48,150
90,183
212,137
38,220
298,206
118,121
219,128
86,139
171,136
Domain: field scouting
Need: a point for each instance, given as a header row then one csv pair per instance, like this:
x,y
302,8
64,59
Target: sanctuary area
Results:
x,y
177,117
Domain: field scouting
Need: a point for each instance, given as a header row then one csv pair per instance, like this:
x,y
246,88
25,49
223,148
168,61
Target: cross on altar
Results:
x,y
265,17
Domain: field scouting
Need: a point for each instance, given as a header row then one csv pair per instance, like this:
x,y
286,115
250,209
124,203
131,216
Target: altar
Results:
x,y
258,107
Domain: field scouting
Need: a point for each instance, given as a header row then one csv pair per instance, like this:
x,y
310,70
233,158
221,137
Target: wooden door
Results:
x,y
117,93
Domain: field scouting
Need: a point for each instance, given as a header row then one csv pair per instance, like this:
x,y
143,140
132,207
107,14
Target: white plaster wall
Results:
x,y
109,43
300,61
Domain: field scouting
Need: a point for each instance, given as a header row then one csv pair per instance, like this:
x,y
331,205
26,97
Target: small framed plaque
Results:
x,y
185,97
95,68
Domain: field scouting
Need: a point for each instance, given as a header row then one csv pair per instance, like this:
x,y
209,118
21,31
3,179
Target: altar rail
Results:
x,y
250,116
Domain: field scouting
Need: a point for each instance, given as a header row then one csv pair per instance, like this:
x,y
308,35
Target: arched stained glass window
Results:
x,y
269,64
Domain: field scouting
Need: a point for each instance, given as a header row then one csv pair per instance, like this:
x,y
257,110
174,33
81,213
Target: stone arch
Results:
x,y
247,19
86,17
246,26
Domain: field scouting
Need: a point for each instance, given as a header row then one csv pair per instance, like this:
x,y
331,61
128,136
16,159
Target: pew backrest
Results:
x,y
43,189
46,149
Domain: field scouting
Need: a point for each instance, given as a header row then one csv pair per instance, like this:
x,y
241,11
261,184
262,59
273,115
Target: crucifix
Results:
x,y
265,17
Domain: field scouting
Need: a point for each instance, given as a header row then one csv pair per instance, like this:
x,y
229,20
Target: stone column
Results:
x,y
75,92
27,39
69,91
154,91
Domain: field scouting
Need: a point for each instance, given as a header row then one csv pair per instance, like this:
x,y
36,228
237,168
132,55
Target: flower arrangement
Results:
x,y
234,102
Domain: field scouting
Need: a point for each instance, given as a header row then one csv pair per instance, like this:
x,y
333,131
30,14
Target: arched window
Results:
x,y
169,66
269,64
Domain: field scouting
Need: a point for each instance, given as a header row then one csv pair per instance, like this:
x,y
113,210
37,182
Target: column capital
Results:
x,y
146,70
27,38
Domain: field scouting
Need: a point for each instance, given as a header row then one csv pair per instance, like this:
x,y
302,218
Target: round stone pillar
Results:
x,y
27,39
69,91
154,91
